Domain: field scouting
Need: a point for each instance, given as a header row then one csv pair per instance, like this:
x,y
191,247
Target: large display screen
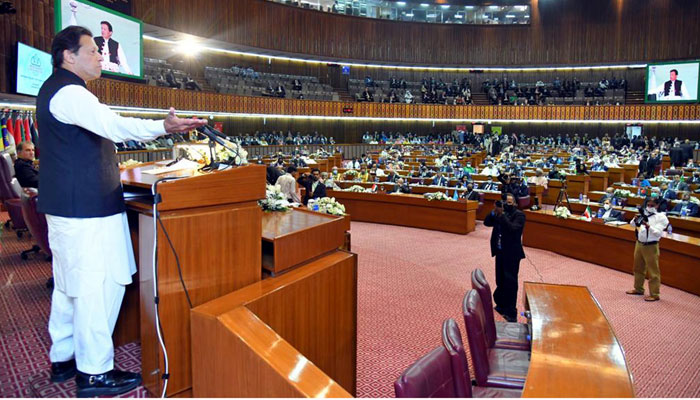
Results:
x,y
33,68
675,82
118,36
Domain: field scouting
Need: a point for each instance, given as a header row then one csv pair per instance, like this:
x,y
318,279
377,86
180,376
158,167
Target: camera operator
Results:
x,y
506,245
649,226
509,184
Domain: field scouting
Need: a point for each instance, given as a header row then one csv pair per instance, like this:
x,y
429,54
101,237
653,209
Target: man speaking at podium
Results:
x,y
81,195
672,89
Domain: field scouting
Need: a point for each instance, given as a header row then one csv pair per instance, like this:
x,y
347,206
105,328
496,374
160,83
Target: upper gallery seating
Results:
x,y
246,82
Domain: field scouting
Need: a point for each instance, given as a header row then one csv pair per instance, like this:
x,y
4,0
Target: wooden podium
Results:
x,y
214,224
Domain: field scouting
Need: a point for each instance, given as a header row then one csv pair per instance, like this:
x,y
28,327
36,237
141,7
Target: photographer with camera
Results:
x,y
650,226
506,245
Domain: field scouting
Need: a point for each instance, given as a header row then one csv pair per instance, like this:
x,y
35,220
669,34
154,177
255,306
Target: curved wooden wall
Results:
x,y
561,32
137,95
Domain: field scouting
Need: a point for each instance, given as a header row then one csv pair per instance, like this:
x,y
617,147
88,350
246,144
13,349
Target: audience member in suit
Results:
x,y
667,193
687,207
392,176
695,178
609,195
470,193
273,173
506,245
608,213
315,189
25,172
401,187
489,185
439,180
678,185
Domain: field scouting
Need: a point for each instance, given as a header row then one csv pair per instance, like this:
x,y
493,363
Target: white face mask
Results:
x,y
651,210
606,207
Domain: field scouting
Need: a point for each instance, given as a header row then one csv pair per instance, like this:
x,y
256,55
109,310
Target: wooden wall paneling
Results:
x,y
566,31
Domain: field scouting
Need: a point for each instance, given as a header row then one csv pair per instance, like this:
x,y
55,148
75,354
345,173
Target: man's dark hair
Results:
x,y
291,169
675,70
67,39
109,26
315,170
509,194
22,144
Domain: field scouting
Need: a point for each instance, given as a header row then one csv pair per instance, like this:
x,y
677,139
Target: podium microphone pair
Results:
x,y
216,136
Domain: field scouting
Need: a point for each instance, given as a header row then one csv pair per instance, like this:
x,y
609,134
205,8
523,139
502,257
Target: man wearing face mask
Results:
x,y
506,245
489,185
686,208
314,188
650,226
608,213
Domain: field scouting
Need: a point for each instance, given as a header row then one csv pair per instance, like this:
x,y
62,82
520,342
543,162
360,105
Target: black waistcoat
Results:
x,y
113,47
79,170
676,87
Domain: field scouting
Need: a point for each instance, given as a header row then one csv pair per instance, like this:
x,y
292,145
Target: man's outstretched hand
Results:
x,y
174,124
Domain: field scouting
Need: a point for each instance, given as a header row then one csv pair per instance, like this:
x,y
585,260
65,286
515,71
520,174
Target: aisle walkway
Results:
x,y
410,280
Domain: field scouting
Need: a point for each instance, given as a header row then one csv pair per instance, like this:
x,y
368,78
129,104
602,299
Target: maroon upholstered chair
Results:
x,y
36,223
523,202
452,340
430,376
492,367
502,335
14,208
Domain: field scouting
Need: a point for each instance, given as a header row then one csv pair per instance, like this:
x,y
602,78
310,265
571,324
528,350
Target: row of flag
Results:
x,y
20,129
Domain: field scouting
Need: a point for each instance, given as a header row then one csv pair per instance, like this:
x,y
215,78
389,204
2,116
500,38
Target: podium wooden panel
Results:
x,y
613,247
293,237
599,180
631,172
615,175
214,224
293,335
577,185
409,210
575,352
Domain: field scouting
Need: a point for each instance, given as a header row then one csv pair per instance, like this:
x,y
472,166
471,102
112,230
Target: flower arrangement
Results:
x,y
238,157
357,189
351,174
438,196
660,178
329,205
274,200
562,212
622,193
129,163
695,200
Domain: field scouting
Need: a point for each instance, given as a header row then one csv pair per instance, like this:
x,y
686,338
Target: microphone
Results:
x,y
217,137
216,132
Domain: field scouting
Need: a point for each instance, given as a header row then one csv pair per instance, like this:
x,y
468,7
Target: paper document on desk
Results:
x,y
178,166
616,223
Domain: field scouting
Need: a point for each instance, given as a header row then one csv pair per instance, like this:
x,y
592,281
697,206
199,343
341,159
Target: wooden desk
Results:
x,y
613,247
295,236
294,335
409,210
599,180
577,185
575,352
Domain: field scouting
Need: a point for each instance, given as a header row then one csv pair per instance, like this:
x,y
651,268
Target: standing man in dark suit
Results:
x,y
314,188
506,245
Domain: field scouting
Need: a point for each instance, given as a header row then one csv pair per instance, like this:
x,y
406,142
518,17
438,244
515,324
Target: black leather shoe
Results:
x,y
62,371
110,383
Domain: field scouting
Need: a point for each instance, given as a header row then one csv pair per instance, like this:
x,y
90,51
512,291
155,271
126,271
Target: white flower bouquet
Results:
x,y
274,200
622,193
695,200
562,212
660,178
329,205
129,163
357,189
238,157
438,196
351,174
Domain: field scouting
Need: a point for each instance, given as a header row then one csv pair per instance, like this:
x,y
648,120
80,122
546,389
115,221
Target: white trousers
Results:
x,y
82,327
92,262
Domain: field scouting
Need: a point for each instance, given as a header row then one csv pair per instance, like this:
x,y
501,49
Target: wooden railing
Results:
x,y
138,95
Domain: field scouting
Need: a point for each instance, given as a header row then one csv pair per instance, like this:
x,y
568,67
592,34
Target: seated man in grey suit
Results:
x,y
608,213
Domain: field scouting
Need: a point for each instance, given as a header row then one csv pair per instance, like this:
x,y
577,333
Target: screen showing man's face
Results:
x,y
673,75
105,32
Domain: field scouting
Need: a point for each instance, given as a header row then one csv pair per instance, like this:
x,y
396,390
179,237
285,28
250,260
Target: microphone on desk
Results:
x,y
217,137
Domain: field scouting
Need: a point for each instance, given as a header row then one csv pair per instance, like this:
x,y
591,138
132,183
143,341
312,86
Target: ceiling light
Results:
x,y
494,7
521,8
527,16
401,3
445,6
431,15
458,16
424,4
409,14
469,7
510,16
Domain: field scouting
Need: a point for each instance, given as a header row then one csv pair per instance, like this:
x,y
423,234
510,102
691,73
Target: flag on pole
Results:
x,y
456,195
587,213
374,187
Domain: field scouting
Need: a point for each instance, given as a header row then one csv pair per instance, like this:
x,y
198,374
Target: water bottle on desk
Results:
x,y
580,197
669,229
684,212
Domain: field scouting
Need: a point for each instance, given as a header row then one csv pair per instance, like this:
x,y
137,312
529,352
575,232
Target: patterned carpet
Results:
x,y
410,280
